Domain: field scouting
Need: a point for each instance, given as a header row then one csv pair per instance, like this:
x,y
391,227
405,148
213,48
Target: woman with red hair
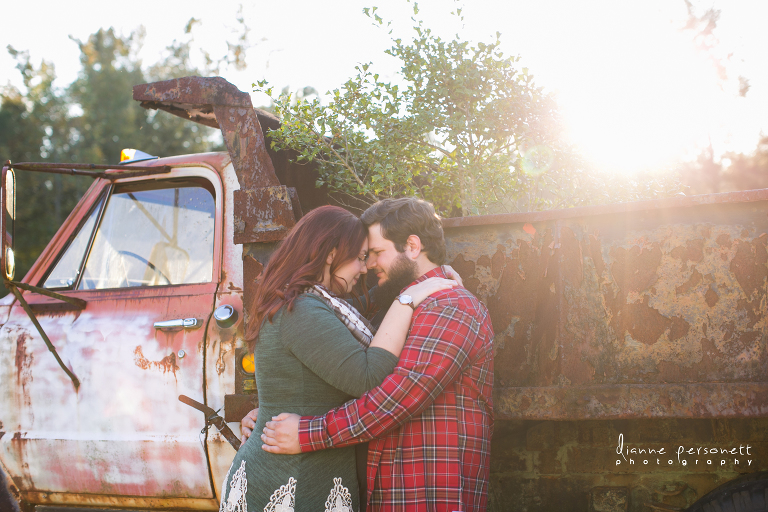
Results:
x,y
314,352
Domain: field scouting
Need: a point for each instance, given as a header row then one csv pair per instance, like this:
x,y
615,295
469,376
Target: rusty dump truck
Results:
x,y
631,362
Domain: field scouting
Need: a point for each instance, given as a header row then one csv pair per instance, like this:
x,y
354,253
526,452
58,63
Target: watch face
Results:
x,y
405,299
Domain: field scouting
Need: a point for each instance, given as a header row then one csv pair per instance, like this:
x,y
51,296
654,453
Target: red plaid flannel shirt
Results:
x,y
430,422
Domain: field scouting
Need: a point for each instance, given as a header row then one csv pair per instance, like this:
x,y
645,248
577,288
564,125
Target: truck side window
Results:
x,y
64,274
153,237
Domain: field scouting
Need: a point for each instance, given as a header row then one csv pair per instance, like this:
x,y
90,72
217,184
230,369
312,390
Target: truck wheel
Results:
x,y
748,493
7,500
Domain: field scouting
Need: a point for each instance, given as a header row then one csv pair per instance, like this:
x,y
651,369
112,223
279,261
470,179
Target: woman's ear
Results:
x,y
331,255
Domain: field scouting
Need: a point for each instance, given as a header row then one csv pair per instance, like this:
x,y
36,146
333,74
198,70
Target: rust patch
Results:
x,y
166,364
751,310
571,260
245,142
678,328
21,353
23,361
595,252
644,323
524,311
635,269
724,241
693,251
711,297
690,284
748,265
262,214
498,261
466,269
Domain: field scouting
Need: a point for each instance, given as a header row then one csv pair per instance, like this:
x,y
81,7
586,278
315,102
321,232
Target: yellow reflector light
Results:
x,y
248,364
127,154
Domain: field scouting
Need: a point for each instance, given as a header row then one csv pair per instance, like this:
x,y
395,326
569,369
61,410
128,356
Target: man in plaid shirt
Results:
x,y
429,423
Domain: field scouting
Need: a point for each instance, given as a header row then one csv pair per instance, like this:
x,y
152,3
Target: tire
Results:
x,y
7,500
748,493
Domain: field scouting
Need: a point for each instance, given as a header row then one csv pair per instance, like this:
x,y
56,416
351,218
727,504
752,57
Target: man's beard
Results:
x,y
402,272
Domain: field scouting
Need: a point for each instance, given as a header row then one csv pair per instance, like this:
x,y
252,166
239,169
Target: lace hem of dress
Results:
x,y
283,499
237,489
339,500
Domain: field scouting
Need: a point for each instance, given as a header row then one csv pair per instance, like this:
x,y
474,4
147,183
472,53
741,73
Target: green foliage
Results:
x,y
462,127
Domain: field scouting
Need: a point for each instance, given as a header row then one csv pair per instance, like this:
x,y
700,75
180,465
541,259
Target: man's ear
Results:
x,y
331,255
413,247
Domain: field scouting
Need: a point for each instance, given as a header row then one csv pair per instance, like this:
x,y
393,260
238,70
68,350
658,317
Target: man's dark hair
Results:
x,y
401,218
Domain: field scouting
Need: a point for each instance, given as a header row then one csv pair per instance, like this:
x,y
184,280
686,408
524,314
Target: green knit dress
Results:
x,y
307,362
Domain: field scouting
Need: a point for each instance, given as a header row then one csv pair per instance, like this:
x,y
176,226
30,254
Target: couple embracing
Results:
x,y
417,389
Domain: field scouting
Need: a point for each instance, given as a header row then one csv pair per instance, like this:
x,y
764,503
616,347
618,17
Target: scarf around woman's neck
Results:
x,y
360,328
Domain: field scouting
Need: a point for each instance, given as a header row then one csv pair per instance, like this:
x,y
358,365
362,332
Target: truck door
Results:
x,y
145,256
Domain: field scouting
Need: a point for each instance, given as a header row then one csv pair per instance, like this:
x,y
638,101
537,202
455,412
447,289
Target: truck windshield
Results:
x,y
146,237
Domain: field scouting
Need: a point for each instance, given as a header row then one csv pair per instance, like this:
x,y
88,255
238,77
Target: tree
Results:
x,y
462,127
732,172
92,120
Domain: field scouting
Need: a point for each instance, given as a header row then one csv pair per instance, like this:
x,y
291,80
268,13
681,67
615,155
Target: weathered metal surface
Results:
x,y
43,335
666,294
262,214
700,400
191,97
245,142
216,102
221,105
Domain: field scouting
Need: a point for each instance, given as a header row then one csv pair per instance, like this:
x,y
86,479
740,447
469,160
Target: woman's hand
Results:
x,y
453,274
424,289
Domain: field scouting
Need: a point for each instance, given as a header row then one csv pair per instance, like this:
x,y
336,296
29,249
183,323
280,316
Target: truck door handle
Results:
x,y
179,323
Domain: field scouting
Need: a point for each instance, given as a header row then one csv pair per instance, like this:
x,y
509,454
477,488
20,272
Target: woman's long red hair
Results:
x,y
300,259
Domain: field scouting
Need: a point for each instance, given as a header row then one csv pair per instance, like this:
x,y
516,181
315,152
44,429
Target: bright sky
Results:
x,y
634,91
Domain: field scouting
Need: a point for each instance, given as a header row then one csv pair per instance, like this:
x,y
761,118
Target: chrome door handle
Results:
x,y
179,323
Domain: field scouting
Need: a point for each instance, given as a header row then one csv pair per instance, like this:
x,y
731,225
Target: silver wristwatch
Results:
x,y
406,300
